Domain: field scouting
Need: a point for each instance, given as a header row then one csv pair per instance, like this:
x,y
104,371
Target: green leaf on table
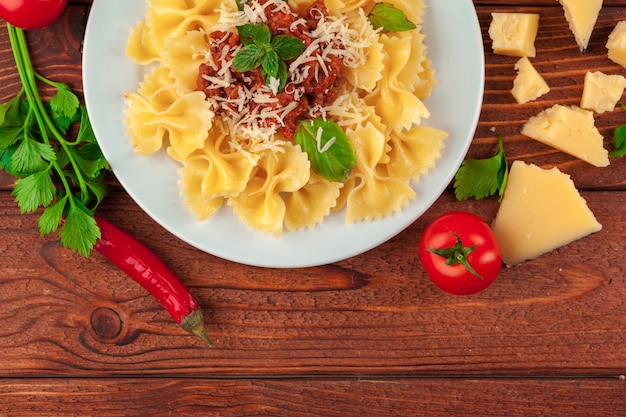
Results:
x,y
34,190
480,178
64,102
619,142
387,17
328,147
52,216
85,132
31,156
80,231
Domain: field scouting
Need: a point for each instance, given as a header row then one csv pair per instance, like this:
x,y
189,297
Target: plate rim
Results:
x,y
332,252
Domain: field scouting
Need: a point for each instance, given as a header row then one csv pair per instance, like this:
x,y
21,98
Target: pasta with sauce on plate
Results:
x,y
232,132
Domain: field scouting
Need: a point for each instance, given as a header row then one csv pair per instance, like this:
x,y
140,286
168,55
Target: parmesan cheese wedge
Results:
x,y
514,34
582,16
601,92
616,44
541,211
569,129
529,84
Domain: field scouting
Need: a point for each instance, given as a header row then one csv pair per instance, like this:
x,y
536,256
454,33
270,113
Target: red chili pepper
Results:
x,y
148,270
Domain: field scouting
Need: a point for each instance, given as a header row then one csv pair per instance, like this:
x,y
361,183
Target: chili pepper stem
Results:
x,y
194,324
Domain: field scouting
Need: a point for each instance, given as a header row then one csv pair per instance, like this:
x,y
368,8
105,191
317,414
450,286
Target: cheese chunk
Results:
x,y
529,84
582,16
602,92
617,44
541,211
514,34
571,130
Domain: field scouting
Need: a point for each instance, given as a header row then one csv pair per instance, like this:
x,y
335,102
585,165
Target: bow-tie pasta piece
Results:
x,y
415,151
261,205
174,18
157,116
226,172
191,183
311,204
372,194
142,46
398,107
183,56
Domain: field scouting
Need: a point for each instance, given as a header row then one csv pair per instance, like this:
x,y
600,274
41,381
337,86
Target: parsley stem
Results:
x,y
29,78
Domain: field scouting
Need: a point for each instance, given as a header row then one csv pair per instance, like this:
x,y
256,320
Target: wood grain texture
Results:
x,y
374,314
344,397
564,67
369,334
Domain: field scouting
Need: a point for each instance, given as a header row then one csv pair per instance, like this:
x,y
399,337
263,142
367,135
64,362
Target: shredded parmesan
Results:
x,y
318,141
256,114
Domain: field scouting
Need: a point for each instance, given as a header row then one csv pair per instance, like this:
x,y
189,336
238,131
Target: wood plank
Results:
x,y
373,314
351,397
564,67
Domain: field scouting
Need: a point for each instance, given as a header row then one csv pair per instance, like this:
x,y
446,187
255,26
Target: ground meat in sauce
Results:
x,y
314,90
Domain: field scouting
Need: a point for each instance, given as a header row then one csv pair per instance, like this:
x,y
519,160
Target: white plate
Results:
x,y
456,49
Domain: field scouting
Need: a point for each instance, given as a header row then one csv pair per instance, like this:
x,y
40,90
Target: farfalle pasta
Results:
x,y
232,132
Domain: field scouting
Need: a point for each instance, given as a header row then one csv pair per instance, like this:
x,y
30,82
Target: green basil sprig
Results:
x,y
389,18
261,50
328,147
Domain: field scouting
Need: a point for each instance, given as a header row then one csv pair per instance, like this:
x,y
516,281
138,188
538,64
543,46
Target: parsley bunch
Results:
x,y
62,175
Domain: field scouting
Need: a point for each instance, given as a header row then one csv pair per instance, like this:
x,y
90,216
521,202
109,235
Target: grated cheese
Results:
x,y
318,141
256,116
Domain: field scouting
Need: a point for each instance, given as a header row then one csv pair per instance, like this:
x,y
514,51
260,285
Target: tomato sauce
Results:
x,y
313,88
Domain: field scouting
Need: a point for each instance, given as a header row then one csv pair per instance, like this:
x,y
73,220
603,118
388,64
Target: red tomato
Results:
x,y
31,14
460,253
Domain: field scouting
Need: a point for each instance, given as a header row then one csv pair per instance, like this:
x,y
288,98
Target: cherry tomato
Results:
x,y
460,253
31,14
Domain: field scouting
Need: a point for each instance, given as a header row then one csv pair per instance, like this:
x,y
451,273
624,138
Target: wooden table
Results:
x,y
366,336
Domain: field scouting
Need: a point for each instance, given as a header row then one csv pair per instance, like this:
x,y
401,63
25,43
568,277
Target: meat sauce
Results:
x,y
314,87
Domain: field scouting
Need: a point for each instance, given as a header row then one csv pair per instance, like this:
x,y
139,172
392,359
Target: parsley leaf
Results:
x,y
64,102
480,178
80,228
34,190
619,142
387,17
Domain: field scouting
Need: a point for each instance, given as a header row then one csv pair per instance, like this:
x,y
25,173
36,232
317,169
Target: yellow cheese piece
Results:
x,y
601,92
529,84
569,129
541,211
617,44
514,34
582,16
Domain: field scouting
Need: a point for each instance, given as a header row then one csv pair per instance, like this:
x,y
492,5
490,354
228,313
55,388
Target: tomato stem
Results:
x,y
457,254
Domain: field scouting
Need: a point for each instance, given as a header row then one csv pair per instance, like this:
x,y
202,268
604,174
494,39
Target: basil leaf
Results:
x,y
288,47
328,147
241,4
281,76
270,63
248,58
251,33
247,33
389,18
